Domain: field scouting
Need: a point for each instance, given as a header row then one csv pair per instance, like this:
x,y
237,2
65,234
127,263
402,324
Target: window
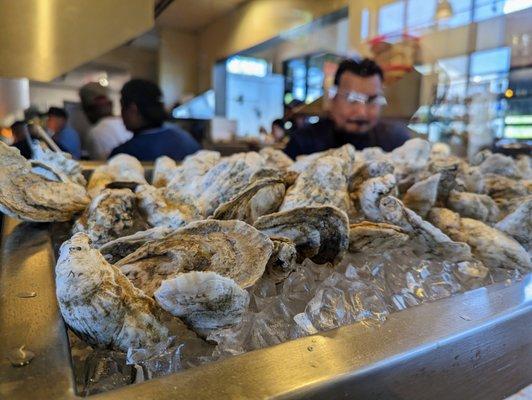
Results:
x,y
247,66
392,18
490,61
420,13
364,24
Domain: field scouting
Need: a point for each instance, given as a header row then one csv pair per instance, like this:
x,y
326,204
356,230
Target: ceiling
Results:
x,y
194,15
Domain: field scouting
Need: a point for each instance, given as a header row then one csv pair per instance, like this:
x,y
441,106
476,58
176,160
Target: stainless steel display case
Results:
x,y
475,345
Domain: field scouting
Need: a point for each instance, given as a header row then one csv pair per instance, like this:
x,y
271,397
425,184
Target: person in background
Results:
x,y
354,115
66,138
107,131
19,129
143,114
278,131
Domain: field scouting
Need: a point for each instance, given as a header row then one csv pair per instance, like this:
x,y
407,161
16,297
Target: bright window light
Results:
x,y
511,6
247,66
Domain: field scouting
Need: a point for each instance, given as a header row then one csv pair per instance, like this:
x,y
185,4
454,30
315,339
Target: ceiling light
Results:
x,y
444,10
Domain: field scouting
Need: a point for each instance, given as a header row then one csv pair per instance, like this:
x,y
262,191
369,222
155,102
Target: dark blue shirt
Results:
x,y
68,140
323,136
167,140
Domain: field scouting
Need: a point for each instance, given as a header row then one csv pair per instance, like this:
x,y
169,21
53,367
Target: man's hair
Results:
x,y
146,95
17,124
57,112
364,68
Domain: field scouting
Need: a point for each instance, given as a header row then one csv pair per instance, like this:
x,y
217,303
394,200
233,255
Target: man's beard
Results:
x,y
363,125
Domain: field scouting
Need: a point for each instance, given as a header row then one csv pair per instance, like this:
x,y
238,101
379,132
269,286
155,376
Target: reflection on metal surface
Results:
x,y
42,39
476,345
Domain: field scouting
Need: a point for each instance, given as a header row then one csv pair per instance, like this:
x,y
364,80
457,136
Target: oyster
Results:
x,y
448,169
283,259
261,197
205,300
440,150
60,161
111,214
163,171
507,193
469,179
370,193
412,156
501,165
102,307
370,169
493,247
120,168
275,158
188,174
31,197
421,196
319,233
347,153
474,205
374,236
119,248
165,207
394,211
518,224
225,180
524,164
232,249
322,183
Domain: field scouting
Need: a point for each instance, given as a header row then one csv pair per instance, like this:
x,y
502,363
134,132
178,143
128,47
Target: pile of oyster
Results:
x,y
222,255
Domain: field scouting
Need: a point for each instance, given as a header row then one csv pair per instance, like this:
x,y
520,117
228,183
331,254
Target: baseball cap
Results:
x,y
93,92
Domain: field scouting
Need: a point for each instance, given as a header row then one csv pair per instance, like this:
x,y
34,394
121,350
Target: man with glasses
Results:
x,y
356,102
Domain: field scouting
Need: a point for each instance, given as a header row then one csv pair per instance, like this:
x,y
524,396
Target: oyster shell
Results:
x,y
501,165
111,214
319,233
117,249
394,211
374,236
186,176
370,193
283,259
163,171
367,170
322,183
412,156
347,153
493,247
261,197
474,205
60,161
275,158
31,197
421,196
102,307
518,224
205,300
232,249
440,150
120,168
165,207
524,164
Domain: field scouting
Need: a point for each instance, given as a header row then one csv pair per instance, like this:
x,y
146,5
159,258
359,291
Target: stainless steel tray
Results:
x,y
475,345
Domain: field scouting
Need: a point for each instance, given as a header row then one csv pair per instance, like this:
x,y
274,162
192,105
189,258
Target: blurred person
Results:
x,y
143,114
64,136
107,131
19,129
354,115
278,132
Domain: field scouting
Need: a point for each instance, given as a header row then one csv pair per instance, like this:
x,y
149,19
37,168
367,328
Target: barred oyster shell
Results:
x,y
61,161
185,177
259,198
205,300
165,207
31,197
119,168
370,193
421,196
102,307
232,249
283,259
493,247
474,205
117,249
394,212
163,171
518,224
323,182
347,153
319,233
111,214
375,236
275,158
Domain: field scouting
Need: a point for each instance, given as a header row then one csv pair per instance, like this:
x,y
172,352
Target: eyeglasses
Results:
x,y
353,97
